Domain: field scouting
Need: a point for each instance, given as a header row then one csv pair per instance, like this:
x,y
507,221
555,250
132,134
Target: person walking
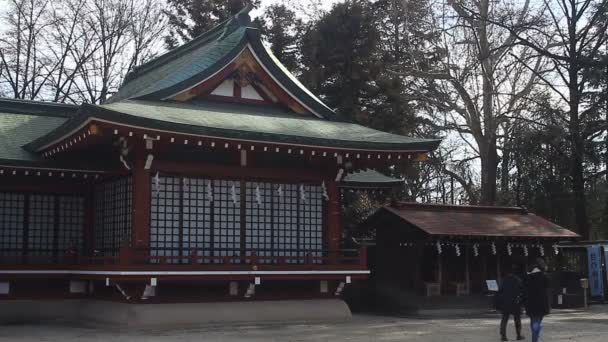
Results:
x,y
536,298
508,302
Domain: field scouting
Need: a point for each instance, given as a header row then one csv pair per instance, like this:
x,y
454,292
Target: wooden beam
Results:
x,y
215,170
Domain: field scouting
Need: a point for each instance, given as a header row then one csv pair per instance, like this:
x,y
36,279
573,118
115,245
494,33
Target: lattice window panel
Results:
x,y
12,211
165,217
226,219
41,225
259,220
285,213
196,218
311,221
113,202
71,223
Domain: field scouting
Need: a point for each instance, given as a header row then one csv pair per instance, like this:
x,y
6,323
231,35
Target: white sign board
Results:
x,y
492,285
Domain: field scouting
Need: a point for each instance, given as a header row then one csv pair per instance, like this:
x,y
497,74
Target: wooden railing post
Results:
x,y
193,256
363,255
125,254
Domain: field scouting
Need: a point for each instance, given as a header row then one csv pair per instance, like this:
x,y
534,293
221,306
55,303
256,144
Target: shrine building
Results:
x,y
458,249
212,176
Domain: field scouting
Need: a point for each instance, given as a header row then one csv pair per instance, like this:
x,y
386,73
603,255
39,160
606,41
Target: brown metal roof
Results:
x,y
438,219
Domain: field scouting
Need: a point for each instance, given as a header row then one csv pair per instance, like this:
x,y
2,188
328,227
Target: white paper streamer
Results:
x,y
493,248
324,188
258,195
457,248
541,249
157,183
233,194
509,249
439,250
476,249
555,249
280,191
302,193
209,192
526,250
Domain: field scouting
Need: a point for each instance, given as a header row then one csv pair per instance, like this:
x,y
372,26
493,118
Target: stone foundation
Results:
x,y
183,314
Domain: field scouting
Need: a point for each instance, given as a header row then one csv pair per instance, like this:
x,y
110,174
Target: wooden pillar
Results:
x,y
498,276
467,271
334,229
140,236
484,268
417,274
439,269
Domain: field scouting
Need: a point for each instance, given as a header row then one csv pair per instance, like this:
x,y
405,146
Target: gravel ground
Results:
x,y
588,326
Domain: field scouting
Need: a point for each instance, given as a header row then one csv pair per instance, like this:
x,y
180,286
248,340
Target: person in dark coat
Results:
x,y
508,302
536,298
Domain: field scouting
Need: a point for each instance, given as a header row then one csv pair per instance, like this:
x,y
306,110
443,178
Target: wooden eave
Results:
x,y
94,131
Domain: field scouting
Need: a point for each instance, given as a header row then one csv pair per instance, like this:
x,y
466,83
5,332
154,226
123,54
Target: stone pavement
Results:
x,y
580,326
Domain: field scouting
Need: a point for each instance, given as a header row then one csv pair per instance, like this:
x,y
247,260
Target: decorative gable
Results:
x,y
244,80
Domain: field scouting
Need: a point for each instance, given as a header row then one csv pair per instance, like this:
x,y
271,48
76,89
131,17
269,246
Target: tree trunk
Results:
x,y
489,156
577,167
489,168
504,171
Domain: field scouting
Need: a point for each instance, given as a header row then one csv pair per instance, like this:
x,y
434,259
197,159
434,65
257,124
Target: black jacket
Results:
x,y
509,296
536,294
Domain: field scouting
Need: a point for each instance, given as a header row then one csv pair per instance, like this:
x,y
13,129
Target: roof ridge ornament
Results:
x,y
241,19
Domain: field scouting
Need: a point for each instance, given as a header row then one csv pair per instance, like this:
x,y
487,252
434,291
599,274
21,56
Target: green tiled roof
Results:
x,y
22,121
140,103
188,65
369,179
191,61
241,121
17,130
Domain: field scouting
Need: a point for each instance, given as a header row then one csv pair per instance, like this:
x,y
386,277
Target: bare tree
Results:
x,y
576,31
477,84
76,50
21,48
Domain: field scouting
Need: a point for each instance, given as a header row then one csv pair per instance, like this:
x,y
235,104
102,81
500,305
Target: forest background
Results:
x,y
517,89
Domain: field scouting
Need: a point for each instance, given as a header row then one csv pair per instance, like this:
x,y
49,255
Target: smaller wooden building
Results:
x,y
433,249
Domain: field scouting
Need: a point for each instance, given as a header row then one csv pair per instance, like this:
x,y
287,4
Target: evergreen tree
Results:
x,y
339,57
282,29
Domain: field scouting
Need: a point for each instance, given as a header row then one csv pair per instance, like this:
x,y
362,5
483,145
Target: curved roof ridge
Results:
x,y
218,32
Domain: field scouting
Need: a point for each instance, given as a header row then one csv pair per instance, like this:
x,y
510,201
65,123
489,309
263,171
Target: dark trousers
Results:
x,y
505,319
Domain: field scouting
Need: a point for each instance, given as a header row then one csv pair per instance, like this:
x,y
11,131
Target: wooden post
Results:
x,y
484,269
334,230
417,281
363,255
467,275
140,236
498,276
439,270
